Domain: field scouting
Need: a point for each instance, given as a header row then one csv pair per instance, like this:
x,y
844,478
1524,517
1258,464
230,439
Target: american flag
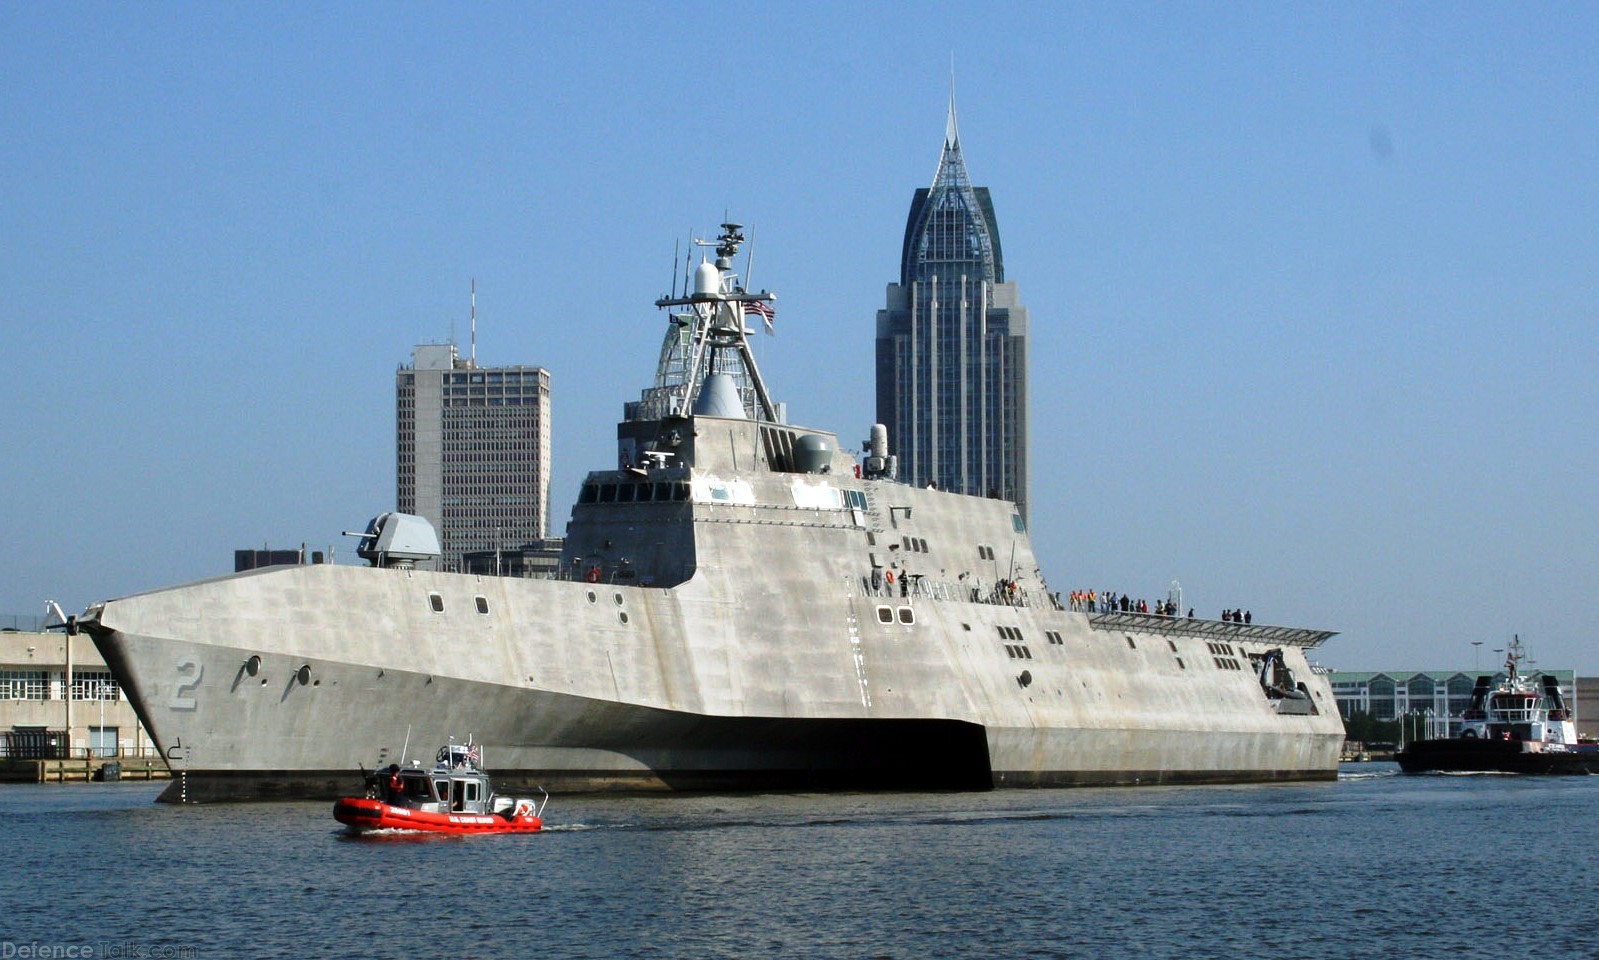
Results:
x,y
474,753
762,309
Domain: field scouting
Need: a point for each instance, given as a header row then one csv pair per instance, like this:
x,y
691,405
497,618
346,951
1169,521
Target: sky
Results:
x,y
1312,286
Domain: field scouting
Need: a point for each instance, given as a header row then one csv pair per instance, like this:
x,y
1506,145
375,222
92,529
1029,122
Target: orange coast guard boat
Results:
x,y
453,797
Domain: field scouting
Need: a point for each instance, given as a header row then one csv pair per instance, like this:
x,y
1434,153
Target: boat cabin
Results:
x,y
1516,709
444,791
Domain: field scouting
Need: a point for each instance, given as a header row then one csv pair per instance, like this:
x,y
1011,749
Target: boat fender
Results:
x,y
594,575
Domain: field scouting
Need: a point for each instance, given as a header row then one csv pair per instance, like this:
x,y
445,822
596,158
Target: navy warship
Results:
x,y
742,604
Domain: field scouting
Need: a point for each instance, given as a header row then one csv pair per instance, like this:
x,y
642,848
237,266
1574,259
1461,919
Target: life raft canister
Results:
x,y
594,575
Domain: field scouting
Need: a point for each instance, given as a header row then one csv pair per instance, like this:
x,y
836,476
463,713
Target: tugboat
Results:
x,y
1515,726
454,797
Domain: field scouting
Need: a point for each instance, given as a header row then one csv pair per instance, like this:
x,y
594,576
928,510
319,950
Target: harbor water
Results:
x,y
1376,864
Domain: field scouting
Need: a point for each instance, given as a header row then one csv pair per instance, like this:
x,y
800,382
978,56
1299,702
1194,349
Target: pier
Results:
x,y
83,770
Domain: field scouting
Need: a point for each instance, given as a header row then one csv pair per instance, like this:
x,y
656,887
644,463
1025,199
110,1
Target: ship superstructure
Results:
x,y
742,604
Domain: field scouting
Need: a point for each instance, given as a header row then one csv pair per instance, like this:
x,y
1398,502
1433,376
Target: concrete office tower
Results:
x,y
473,450
952,344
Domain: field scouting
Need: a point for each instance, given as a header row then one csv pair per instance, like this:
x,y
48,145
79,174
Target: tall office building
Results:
x,y
473,450
952,344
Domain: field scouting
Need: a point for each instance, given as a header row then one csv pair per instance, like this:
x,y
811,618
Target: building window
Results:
x,y
482,604
436,601
24,685
94,685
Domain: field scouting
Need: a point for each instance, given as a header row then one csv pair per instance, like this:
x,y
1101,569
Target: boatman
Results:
x,y
394,783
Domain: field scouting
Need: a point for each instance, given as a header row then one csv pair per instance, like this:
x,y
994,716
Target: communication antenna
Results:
x,y
676,246
749,262
688,262
473,361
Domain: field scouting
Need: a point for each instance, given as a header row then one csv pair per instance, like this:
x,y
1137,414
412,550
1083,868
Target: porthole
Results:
x,y
252,666
592,597
482,604
436,601
618,598
303,675
621,615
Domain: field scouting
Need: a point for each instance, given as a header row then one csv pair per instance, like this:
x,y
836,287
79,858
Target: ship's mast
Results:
x,y
710,337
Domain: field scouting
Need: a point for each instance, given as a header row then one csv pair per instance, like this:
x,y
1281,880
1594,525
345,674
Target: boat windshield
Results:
x,y
419,789
1517,707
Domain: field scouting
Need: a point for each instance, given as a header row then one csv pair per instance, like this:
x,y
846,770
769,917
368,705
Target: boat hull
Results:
x,y
363,814
1470,755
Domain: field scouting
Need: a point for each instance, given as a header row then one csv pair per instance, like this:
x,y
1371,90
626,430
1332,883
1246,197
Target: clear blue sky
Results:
x,y
1312,286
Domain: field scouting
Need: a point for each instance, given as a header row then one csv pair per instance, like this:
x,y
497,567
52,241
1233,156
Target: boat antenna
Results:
x,y
407,746
688,262
676,246
749,262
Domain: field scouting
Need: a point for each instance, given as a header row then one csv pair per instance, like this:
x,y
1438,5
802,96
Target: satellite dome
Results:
x,y
707,279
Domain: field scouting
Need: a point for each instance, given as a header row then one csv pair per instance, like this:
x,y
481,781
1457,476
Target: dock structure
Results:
x,y
62,712
83,770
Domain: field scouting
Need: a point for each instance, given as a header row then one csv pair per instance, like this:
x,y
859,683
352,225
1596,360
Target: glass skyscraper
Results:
x,y
952,344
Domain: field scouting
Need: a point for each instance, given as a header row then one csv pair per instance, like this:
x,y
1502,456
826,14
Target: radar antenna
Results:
x,y
710,337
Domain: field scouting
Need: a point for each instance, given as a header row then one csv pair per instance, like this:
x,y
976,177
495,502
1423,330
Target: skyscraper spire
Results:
x,y
952,133
951,170
952,343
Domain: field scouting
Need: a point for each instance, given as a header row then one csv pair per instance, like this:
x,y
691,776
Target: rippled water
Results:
x,y
1376,864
